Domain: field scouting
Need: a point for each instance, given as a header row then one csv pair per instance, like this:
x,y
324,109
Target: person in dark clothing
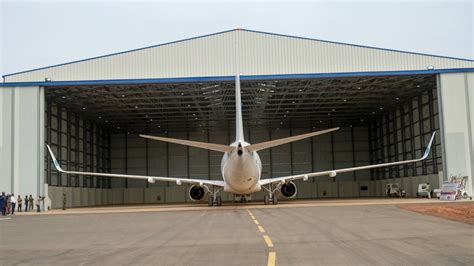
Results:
x,y
31,202
8,205
64,201
19,202
3,203
26,203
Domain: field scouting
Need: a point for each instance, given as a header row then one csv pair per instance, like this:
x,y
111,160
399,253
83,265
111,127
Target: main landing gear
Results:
x,y
271,198
214,200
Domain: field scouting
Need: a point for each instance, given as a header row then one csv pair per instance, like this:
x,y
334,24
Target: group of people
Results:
x,y
8,203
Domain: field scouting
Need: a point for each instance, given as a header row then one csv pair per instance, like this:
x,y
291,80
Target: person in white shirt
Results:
x,y
47,203
13,202
38,204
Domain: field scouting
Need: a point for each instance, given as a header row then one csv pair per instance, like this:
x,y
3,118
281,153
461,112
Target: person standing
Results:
x,y
38,204
47,203
428,190
64,201
26,203
30,203
19,202
13,202
3,203
9,204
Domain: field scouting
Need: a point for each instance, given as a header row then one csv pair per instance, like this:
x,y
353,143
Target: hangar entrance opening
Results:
x,y
382,118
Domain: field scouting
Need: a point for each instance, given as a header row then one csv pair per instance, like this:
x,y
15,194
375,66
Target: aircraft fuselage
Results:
x,y
241,170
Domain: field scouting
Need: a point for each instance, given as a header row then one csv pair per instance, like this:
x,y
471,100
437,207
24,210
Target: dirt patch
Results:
x,y
459,211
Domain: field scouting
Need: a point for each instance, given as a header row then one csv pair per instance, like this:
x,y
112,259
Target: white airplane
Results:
x,y
241,167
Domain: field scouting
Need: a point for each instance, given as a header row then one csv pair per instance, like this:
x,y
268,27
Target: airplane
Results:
x,y
241,167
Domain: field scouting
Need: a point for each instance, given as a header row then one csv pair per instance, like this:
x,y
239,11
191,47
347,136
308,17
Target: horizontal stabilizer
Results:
x,y
277,142
197,144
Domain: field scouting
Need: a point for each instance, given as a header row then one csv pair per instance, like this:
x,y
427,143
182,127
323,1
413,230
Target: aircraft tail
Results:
x,y
239,132
239,127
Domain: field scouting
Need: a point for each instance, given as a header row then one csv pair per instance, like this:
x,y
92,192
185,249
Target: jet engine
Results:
x,y
288,190
198,193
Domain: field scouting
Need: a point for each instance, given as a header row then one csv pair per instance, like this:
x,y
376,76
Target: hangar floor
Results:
x,y
327,234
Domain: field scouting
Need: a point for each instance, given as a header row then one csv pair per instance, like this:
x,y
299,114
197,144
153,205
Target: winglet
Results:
x,y
428,148
55,162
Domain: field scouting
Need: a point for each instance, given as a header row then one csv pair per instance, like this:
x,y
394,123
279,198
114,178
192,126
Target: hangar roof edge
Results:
x,y
222,32
231,78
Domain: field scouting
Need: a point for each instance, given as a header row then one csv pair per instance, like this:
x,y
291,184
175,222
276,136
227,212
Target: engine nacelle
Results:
x,y
198,193
288,190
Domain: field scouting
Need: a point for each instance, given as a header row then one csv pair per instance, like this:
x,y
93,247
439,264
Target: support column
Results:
x,y
22,140
456,100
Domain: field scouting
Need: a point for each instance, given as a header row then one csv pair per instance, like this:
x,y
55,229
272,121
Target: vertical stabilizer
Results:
x,y
239,127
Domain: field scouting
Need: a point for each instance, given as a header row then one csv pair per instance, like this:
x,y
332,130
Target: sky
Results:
x,y
40,33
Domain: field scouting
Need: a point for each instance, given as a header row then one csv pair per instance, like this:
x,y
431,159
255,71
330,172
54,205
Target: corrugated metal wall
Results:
x,y
79,144
247,52
403,134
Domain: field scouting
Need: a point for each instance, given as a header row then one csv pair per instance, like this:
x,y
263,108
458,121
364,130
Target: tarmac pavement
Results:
x,y
311,234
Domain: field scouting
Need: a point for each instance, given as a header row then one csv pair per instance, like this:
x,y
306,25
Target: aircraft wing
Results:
x,y
333,173
150,179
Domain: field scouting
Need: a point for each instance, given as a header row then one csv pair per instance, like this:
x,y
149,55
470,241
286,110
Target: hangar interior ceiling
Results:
x,y
284,103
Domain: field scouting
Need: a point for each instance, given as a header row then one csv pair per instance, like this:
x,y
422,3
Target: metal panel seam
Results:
x,y
12,161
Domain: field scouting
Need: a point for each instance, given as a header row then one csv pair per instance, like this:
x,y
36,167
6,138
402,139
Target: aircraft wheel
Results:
x,y
218,201
274,200
265,200
211,201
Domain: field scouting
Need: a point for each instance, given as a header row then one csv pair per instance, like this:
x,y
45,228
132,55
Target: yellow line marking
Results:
x,y
268,241
253,217
256,222
260,228
271,258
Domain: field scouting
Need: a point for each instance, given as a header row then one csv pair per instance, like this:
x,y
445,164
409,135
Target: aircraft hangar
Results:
x,y
386,102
